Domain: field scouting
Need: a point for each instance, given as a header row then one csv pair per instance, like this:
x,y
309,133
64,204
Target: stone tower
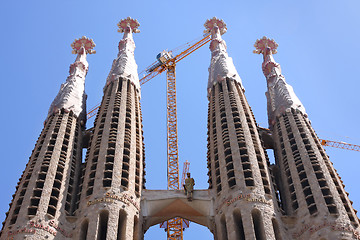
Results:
x,y
312,193
113,173
239,175
46,189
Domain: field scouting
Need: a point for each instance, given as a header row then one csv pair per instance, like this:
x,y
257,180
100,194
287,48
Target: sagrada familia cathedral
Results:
x,y
58,196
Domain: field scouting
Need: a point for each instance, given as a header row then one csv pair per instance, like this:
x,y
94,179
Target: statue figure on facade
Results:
x,y
189,187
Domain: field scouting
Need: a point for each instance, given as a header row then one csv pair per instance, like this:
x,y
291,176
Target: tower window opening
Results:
x,y
84,230
103,225
32,211
135,228
239,228
223,226
121,233
258,225
120,85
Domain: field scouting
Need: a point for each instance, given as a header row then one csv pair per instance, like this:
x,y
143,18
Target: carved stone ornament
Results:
x,y
221,65
128,22
215,22
124,65
264,43
71,96
280,95
85,42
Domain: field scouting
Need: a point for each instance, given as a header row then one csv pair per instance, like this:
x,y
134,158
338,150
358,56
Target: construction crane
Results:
x,y
266,135
167,62
342,145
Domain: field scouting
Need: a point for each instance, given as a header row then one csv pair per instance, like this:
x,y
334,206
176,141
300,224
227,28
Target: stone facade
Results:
x,y
104,198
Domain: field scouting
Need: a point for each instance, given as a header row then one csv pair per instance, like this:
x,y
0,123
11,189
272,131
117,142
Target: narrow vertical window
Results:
x,y
103,224
258,225
121,225
239,228
84,230
224,234
135,230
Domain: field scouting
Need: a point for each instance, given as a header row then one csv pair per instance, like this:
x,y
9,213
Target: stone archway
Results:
x,y
158,206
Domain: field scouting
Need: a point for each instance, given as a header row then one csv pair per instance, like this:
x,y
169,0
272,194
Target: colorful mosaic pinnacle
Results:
x,y
128,22
263,43
85,42
215,22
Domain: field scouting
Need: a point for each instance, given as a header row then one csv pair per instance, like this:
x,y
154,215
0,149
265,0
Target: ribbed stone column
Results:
x,y
311,190
113,173
238,165
44,199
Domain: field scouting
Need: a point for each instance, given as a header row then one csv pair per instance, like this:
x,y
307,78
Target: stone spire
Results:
x,y
124,65
221,65
72,96
280,95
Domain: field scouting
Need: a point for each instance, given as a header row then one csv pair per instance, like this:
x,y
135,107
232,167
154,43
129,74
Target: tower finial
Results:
x,y
85,42
124,65
265,46
214,22
221,65
128,22
280,95
71,95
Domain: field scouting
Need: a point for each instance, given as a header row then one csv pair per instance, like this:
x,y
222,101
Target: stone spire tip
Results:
x,y
85,42
265,46
214,22
124,65
128,22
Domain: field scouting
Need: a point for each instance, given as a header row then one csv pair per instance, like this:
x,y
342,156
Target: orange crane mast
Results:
x,y
168,62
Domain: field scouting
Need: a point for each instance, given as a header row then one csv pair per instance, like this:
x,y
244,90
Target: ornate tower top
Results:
x,y
221,65
71,95
264,44
214,22
85,42
124,65
130,23
280,95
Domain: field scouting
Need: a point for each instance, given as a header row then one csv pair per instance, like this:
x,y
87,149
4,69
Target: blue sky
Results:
x,y
318,52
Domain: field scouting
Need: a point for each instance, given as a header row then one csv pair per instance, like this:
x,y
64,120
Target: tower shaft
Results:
x,y
311,190
44,199
239,175
113,172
